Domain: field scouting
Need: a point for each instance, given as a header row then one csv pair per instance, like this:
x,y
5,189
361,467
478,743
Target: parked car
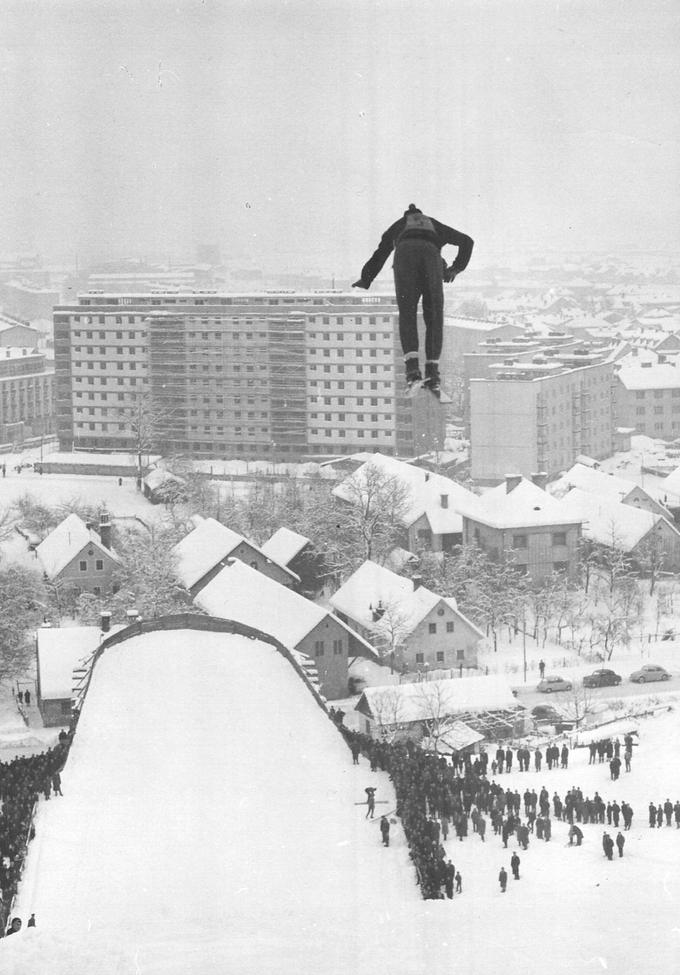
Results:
x,y
602,678
648,673
545,712
550,684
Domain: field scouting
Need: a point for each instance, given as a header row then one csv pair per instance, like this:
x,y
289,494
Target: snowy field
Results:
x,y
209,825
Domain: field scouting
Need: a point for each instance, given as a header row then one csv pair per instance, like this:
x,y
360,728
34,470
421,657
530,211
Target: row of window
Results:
x,y
522,541
315,432
440,656
657,393
98,564
658,410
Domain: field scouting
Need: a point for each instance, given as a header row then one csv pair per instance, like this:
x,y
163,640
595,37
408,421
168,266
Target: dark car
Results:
x,y
602,678
545,712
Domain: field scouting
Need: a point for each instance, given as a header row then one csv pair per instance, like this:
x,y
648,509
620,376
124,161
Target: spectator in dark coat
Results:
x,y
652,815
575,834
385,830
56,784
607,845
620,841
514,864
459,883
370,801
668,811
503,879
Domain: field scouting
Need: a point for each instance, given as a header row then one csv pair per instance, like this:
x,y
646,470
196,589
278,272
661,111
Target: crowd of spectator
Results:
x,y
436,797
22,782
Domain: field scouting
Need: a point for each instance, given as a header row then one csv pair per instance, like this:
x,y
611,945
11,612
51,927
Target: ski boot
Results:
x,y
432,378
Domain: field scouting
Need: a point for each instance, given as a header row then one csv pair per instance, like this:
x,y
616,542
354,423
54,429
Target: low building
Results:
x,y
59,652
296,553
241,593
432,520
520,522
79,559
204,552
606,486
643,536
430,709
647,397
414,628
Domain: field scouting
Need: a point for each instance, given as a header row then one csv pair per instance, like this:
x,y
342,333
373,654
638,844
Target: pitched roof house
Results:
x,y
241,593
78,557
416,628
206,550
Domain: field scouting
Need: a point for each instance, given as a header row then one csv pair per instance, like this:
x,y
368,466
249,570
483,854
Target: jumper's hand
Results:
x,y
360,284
450,275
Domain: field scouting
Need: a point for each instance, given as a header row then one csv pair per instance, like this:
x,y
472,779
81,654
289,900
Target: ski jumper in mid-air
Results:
x,y
419,272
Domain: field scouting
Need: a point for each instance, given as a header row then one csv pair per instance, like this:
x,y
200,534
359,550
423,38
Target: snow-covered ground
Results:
x,y
209,825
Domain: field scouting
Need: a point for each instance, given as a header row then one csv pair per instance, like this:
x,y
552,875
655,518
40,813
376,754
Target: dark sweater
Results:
x,y
439,235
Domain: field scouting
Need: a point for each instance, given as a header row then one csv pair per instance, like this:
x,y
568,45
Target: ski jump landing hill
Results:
x,y
208,822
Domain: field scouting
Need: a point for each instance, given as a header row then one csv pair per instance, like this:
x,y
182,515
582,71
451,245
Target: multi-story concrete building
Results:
x,y
540,415
26,388
274,374
647,397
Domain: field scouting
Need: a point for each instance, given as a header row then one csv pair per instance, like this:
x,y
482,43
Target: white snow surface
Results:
x,y
194,840
610,522
284,545
59,651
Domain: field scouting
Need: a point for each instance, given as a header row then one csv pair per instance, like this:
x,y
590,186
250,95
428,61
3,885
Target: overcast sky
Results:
x,y
293,133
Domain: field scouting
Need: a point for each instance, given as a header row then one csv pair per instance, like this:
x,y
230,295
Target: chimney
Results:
x,y
427,476
105,621
105,529
445,500
378,611
512,481
540,480
417,582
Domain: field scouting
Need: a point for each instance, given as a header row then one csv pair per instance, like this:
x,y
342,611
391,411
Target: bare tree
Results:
x,y
434,703
391,627
22,607
580,702
373,511
652,557
389,711
146,423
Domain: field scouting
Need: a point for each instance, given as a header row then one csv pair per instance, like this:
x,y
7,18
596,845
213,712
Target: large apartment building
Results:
x,y
262,375
26,387
648,398
541,415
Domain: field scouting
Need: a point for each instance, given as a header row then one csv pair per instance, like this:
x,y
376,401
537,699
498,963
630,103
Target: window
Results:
x,y
519,541
559,538
82,565
318,648
560,566
99,565
420,658
449,626
440,657
432,628
97,590
460,655
337,647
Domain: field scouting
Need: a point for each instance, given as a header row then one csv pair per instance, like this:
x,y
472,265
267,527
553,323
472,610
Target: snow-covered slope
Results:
x,y
208,826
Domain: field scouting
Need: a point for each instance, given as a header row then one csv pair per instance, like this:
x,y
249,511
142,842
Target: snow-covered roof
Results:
x,y
593,481
65,542
416,702
241,593
100,460
284,545
456,737
608,522
60,650
155,478
205,547
660,376
526,506
425,492
373,584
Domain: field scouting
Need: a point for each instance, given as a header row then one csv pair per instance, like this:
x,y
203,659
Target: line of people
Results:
x,y
22,781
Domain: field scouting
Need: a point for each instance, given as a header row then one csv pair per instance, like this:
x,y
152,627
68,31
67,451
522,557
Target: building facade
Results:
x,y
263,375
647,397
540,416
26,395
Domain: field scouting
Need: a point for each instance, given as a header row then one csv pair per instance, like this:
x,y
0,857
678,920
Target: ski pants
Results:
x,y
418,270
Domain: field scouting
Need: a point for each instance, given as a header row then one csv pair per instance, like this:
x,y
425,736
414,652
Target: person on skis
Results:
x,y
419,272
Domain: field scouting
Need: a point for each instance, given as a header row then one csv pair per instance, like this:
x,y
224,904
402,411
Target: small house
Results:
x,y
78,558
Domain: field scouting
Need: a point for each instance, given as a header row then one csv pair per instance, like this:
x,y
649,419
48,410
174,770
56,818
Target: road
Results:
x,y
530,698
